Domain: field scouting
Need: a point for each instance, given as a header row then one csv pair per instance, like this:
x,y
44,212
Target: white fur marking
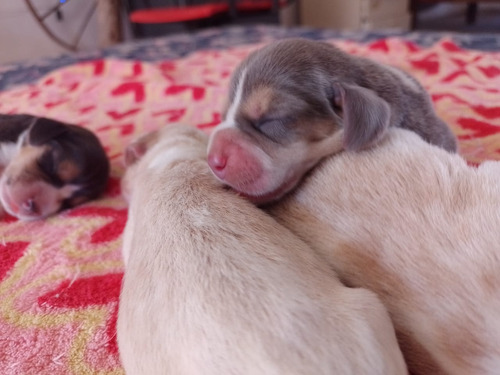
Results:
x,y
21,138
68,190
24,134
230,122
7,152
231,113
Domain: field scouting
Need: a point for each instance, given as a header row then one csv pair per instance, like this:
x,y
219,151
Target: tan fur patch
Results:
x,y
258,103
67,170
318,130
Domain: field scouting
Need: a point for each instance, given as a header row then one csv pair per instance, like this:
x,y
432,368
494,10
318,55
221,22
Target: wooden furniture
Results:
x,y
109,22
355,14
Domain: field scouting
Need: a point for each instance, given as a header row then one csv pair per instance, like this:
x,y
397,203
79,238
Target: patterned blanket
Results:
x,y
60,278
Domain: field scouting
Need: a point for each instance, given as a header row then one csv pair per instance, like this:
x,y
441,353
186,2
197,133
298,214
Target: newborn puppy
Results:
x,y
47,166
215,286
296,101
419,227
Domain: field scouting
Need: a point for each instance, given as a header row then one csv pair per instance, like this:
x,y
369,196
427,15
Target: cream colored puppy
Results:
x,y
419,227
214,286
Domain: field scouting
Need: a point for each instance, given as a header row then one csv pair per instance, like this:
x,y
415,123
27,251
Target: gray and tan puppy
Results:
x,y
419,227
296,101
215,286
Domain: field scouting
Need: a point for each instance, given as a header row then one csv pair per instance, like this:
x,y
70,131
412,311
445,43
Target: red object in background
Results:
x,y
196,12
257,5
178,14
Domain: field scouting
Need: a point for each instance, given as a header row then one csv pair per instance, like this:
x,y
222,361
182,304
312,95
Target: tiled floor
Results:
x,y
451,17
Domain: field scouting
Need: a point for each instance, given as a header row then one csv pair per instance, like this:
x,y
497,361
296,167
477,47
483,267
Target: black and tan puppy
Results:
x,y
47,166
296,101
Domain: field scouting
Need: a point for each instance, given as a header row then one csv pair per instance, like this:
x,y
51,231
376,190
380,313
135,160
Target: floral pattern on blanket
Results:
x,y
60,278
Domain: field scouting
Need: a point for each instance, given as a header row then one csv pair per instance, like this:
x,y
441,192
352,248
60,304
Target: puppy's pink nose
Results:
x,y
217,163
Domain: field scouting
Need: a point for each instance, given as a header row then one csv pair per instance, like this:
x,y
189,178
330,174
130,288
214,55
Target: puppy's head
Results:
x,y
291,104
160,149
55,166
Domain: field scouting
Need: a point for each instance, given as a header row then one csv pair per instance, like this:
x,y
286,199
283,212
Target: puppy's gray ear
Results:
x,y
366,115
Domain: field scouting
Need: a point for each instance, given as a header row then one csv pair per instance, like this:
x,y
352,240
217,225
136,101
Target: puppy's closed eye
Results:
x,y
272,128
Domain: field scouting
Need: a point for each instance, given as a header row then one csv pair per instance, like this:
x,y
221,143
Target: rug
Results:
x,y
60,278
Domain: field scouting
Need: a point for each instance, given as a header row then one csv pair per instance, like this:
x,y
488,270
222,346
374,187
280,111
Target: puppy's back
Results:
x,y
419,227
215,286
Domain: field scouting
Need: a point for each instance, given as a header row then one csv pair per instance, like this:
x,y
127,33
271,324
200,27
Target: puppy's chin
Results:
x,y
272,196
262,200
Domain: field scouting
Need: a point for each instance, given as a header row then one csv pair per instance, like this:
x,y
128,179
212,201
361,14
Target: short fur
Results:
x,y
47,165
296,101
419,227
215,286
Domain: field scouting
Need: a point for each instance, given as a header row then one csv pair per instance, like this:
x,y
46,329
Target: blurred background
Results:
x,y
44,28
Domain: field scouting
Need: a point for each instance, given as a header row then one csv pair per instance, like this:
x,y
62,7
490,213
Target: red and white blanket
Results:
x,y
60,278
